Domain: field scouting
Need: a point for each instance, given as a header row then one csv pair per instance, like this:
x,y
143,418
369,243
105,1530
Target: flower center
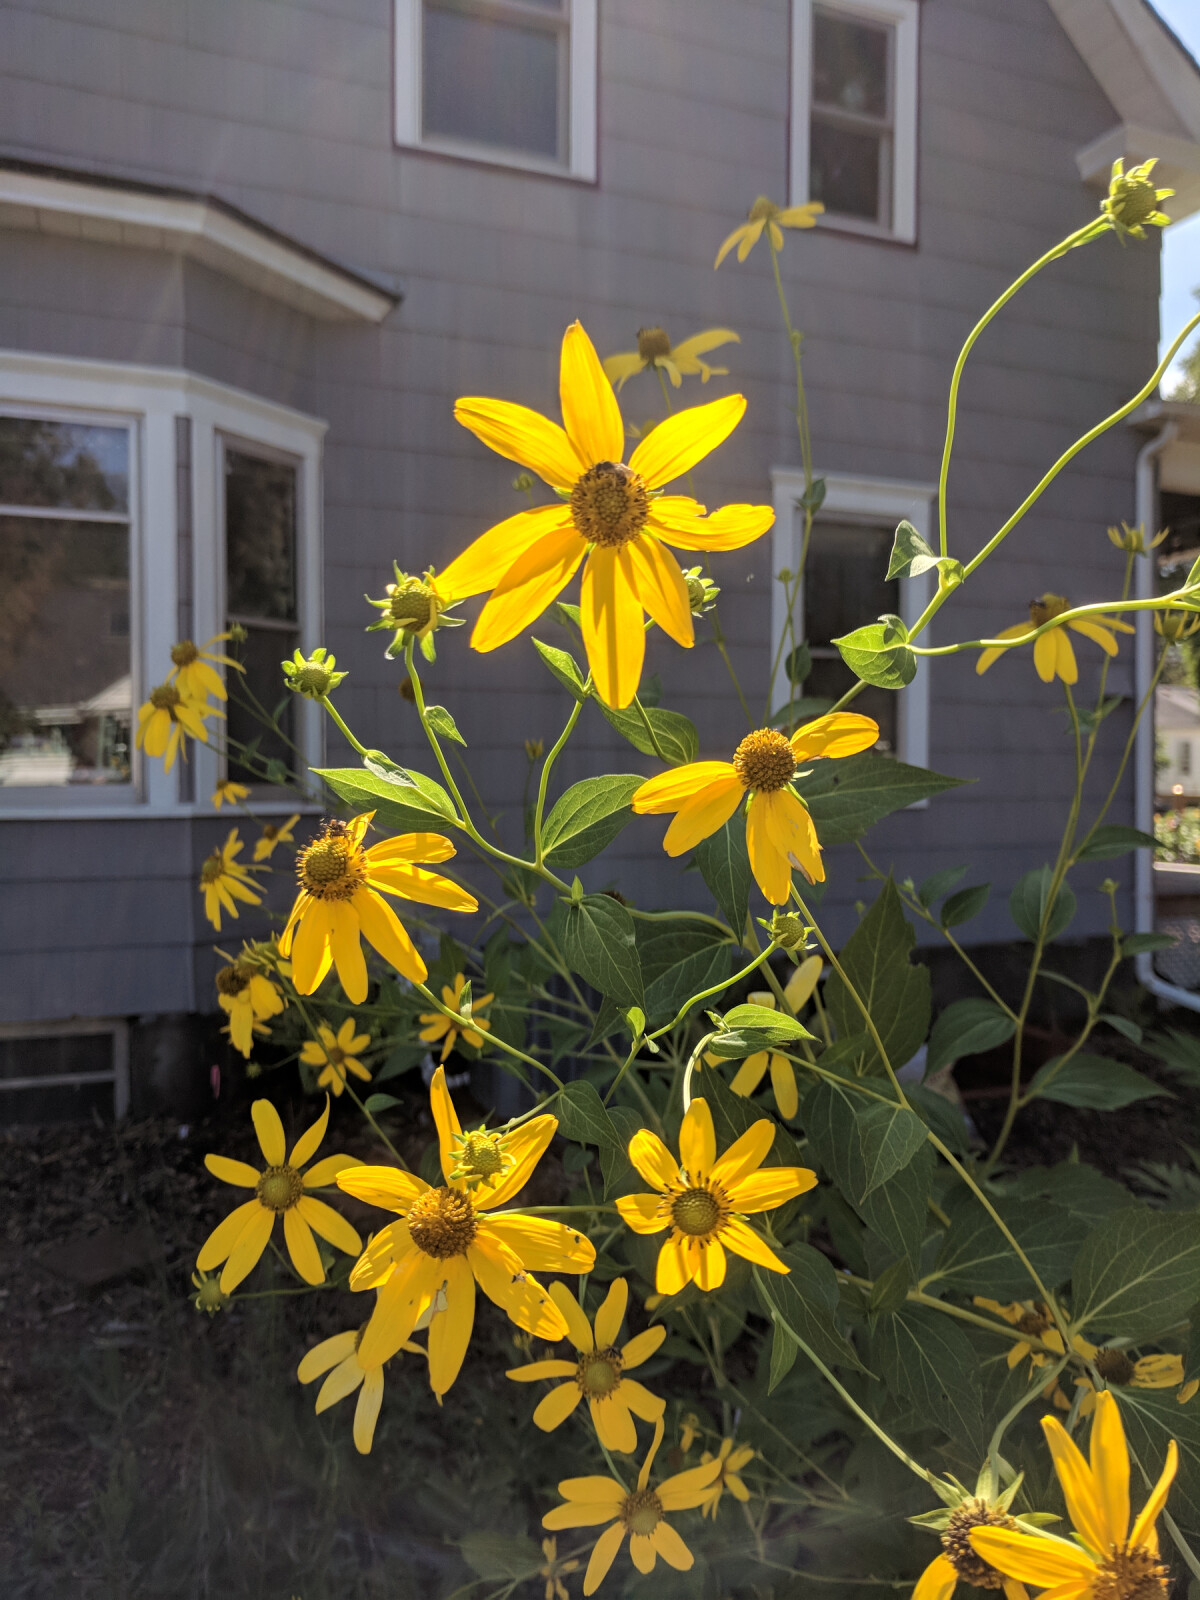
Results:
x,y
165,697
961,1554
333,866
213,868
184,653
764,760
696,1212
442,1223
1114,1366
1130,1574
279,1188
599,1372
235,979
609,505
1035,1322
652,343
1134,201
1046,609
641,1511
410,603
761,209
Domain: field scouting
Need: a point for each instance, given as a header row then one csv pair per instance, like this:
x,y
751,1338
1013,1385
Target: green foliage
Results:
x,y
1029,902
894,990
749,1028
671,736
880,653
599,943
1096,1082
403,801
926,1360
724,864
847,797
967,1028
1137,1274
588,818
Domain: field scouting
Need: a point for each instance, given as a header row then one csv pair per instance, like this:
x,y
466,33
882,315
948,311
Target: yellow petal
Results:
x,y
1078,1486
235,1172
536,1371
366,1412
704,815
581,1514
540,1243
612,1313
428,888
1100,633
244,1256
450,1330
681,440
642,1552
579,1329
589,407
653,1160
661,588
308,1143
673,789
641,1347
612,1422
343,1380
710,1264
644,1213
603,1554
729,528
302,1247
743,1241
518,1293
639,1399
221,1241
804,216
310,952
937,1582
1143,1528
1067,669
687,1489
325,1355
522,435
768,1188
750,1074
412,849
842,733
345,945
380,1186
697,1141
751,233
621,367
794,833
1045,1562
270,1133
383,929
446,1119
771,868
398,1305
675,1266
330,1224
701,343
613,634
1110,1466
728,243
484,563
555,1407
745,1154
533,581
803,981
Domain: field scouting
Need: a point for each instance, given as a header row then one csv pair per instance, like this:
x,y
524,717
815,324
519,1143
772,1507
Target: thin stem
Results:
x,y
508,1049
717,988
544,780
336,715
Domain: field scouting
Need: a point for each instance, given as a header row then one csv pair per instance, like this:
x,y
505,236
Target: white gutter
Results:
x,y
1146,514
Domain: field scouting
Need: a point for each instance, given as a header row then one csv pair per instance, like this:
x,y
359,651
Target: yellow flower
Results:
x,y
779,831
1133,540
166,717
639,1512
1132,200
444,1243
1111,1561
250,998
438,1026
555,1571
689,1428
280,1190
337,1054
704,1201
192,670
730,1462
228,790
765,213
1052,653
599,1373
783,1076
959,1561
1119,1370
1029,1316
654,349
339,1357
613,515
223,880
341,897
274,834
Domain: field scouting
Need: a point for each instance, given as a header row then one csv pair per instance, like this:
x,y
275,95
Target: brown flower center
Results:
x,y
764,760
599,1372
1035,1322
333,867
184,653
653,343
213,868
279,1188
641,1511
609,505
1114,1366
165,698
1046,609
1131,1574
696,1212
961,1554
234,979
442,1223
762,209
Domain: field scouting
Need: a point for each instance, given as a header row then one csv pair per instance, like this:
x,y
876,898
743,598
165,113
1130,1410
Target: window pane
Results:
x,y
261,654
850,64
65,691
63,464
845,587
493,83
844,171
260,537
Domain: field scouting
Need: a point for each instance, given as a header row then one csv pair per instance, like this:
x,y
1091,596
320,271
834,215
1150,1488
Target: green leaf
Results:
x,y
926,1360
407,802
880,653
1096,1083
588,817
1028,903
964,905
967,1028
890,1289
1123,1026
910,554
501,1555
846,797
798,664
861,1143
784,1351
1152,1418
564,667
1136,944
1138,1273
898,1211
675,735
1112,840
696,972
807,709
876,962
582,1116
976,1258
725,867
939,884
805,1301
614,1159
440,720
1078,1188
380,1102
746,1029
599,944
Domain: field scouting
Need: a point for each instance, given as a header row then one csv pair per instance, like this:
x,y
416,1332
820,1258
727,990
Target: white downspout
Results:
x,y
1143,753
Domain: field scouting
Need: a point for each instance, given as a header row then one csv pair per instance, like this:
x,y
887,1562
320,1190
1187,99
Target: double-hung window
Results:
x,y
506,81
854,113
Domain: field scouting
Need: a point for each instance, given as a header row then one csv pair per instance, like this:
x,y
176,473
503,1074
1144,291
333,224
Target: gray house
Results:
x,y
250,253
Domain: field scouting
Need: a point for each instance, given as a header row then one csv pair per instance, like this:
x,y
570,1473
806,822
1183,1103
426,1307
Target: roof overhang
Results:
x,y
1179,458
85,206
1178,163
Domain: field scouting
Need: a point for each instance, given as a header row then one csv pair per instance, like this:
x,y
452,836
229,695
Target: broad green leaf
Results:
x,y
582,1116
588,817
695,973
861,1143
499,1556
725,867
407,802
940,1115
964,905
1137,1273
890,1289
1136,944
798,664
898,1211
440,720
1113,840
784,1351
749,1028
1028,903
846,797
880,654
926,1360
1122,1025
599,944
380,1102
875,959
1075,1186
1096,1083
564,667
805,1302
673,733
1152,1418
939,884
664,944
910,554
976,1258
967,1028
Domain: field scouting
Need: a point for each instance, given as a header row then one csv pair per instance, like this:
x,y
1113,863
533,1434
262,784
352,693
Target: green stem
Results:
x,y
717,988
544,780
507,1049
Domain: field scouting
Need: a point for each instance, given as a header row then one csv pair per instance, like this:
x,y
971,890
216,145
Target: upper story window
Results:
x,y
506,81
854,113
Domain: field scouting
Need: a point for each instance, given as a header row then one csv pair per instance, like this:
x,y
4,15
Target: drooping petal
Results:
x,y
771,868
579,1329
710,1267
542,1244
674,789
745,1154
1078,1486
589,406
428,888
309,1141
660,586
768,1188
675,1265
522,435
1143,1528
345,946
1067,668
653,1160
622,366
526,1145
302,1247
697,1141
1110,1466
1096,631
592,1490
640,1401
783,1083
611,619
743,1241
330,1224
325,1355
311,954
483,563
366,1412
537,1371
937,1582
641,1347
728,528
687,1489
554,1408
343,1380
737,237
701,343
414,849
383,929
270,1133
222,1240
681,440
644,1213
388,1187
612,1313
750,1074
450,1330
240,1173
842,733
244,1256
446,1119
528,587
1045,655
794,833
604,1552
399,1303
1045,1562
390,1247
703,816
642,1552
670,1546
612,1422
800,986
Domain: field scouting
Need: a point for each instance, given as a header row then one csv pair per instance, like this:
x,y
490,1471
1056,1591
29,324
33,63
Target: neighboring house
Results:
x,y
250,253
1177,724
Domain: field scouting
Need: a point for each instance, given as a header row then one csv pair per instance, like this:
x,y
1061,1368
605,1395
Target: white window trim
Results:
x,y
903,15
152,397
885,500
582,19
73,1028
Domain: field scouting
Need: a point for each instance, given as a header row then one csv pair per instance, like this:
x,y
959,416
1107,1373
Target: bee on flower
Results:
x,y
656,352
470,1026
336,1054
1053,656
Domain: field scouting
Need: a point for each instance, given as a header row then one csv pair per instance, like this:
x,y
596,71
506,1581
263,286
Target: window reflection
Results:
x,y
843,584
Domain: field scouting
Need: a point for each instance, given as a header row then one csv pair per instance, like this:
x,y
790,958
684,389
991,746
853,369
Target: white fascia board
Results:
x,y
1178,163
194,227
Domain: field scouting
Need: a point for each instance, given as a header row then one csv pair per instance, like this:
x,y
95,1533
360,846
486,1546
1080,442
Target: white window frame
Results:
x,y
151,398
903,16
879,500
582,56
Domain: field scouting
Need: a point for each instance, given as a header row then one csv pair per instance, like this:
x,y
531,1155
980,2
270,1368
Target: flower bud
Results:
x,y
1176,625
312,676
1132,200
788,930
